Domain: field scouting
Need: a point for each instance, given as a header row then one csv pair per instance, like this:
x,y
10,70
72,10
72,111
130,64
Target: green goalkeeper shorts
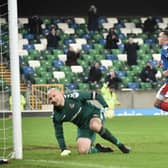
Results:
x,y
86,133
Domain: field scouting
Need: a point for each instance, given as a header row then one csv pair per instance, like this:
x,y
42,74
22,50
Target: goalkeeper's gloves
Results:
x,y
65,152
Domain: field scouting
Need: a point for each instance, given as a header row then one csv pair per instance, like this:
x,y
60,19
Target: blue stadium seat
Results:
x,y
102,68
86,47
102,41
111,57
71,86
133,85
27,71
28,47
120,74
68,41
29,36
58,63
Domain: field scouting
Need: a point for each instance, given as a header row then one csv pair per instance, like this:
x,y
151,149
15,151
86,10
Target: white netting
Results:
x,y
5,119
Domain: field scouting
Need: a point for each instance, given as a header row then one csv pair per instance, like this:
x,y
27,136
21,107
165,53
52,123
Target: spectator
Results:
x,y
35,23
22,102
131,50
150,25
92,18
95,73
148,73
113,80
112,40
72,56
111,99
53,39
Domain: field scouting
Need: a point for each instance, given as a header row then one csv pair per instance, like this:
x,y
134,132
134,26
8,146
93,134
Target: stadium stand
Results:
x,y
73,32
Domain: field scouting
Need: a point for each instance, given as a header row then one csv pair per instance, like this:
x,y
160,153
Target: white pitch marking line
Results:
x,y
74,164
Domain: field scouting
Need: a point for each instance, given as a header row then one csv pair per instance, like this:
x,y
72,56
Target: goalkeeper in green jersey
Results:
x,y
76,108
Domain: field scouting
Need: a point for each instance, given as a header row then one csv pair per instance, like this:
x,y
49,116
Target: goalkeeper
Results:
x,y
75,107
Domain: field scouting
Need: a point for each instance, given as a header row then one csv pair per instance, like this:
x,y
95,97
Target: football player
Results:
x,y
75,107
161,96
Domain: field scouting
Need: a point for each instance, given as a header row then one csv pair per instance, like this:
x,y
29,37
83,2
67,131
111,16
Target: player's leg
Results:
x,y
83,145
85,141
96,126
161,97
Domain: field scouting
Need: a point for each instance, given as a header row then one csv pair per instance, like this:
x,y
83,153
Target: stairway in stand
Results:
x,y
5,75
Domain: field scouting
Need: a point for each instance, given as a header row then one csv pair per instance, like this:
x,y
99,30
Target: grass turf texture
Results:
x,y
146,135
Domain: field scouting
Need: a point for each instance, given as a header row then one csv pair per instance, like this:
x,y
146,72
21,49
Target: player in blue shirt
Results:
x,y
162,95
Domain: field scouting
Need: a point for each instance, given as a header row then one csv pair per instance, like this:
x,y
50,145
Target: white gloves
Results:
x,y
65,152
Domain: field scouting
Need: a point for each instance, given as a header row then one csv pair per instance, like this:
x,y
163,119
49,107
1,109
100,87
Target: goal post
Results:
x,y
15,78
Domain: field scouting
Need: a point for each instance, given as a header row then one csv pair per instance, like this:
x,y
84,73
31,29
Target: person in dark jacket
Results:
x,y
92,18
131,50
148,73
112,40
113,80
53,39
72,56
95,73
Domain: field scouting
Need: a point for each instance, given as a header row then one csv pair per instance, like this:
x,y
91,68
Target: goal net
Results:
x,y
6,129
10,127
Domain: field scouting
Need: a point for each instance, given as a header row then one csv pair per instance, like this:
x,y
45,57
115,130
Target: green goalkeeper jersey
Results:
x,y
78,110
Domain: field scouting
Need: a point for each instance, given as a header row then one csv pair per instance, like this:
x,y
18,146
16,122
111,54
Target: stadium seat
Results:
x,y
57,51
58,74
136,30
75,46
125,31
129,25
162,25
57,63
111,57
81,41
34,63
40,70
83,86
133,85
27,71
69,31
106,63
145,85
43,41
23,20
28,46
116,51
68,41
40,80
79,20
71,86
103,68
138,40
86,47
120,74
62,26
29,36
62,57
122,57
23,53
113,20
77,68
102,41
156,56
108,25
22,42
39,47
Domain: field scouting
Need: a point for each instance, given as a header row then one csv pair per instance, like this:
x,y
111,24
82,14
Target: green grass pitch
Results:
x,y
146,135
